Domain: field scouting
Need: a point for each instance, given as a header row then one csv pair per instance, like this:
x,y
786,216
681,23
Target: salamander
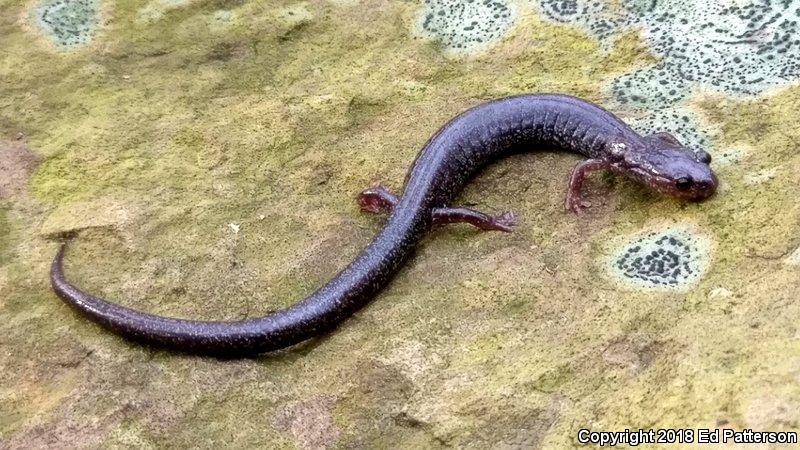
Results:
x,y
464,145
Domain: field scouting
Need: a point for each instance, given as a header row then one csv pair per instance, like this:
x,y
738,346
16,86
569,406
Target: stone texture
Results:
x,y
146,143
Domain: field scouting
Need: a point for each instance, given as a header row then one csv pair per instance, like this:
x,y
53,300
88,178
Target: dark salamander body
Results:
x,y
448,160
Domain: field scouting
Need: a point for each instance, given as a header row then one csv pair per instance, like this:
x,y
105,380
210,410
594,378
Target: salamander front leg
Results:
x,y
378,199
574,201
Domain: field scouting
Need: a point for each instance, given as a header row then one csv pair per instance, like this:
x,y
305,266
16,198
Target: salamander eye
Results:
x,y
703,157
683,183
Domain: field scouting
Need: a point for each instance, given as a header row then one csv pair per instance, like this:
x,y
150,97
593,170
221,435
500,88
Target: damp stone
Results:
x,y
672,258
68,23
465,26
156,9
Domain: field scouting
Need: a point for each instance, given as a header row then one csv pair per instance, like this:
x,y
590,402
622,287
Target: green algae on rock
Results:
x,y
67,23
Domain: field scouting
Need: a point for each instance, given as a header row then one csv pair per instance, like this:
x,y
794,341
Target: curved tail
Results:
x,y
321,311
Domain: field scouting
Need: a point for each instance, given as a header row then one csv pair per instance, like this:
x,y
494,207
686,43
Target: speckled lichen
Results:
x,y
671,258
738,48
743,47
164,131
464,26
68,23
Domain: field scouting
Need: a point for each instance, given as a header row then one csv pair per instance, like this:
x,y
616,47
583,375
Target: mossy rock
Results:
x,y
204,158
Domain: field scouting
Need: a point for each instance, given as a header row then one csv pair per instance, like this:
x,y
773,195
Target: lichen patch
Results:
x,y
464,26
671,258
794,258
727,47
67,23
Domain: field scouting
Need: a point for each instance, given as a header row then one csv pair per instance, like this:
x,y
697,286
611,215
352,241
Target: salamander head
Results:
x,y
660,161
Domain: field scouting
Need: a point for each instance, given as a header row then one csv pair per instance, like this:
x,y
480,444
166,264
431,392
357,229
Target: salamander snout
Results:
x,y
686,174
697,186
667,166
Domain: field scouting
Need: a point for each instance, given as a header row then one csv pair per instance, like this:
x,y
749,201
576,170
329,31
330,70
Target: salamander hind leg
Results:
x,y
505,221
378,199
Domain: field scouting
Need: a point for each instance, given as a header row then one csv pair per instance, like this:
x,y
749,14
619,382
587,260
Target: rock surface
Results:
x,y
178,119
